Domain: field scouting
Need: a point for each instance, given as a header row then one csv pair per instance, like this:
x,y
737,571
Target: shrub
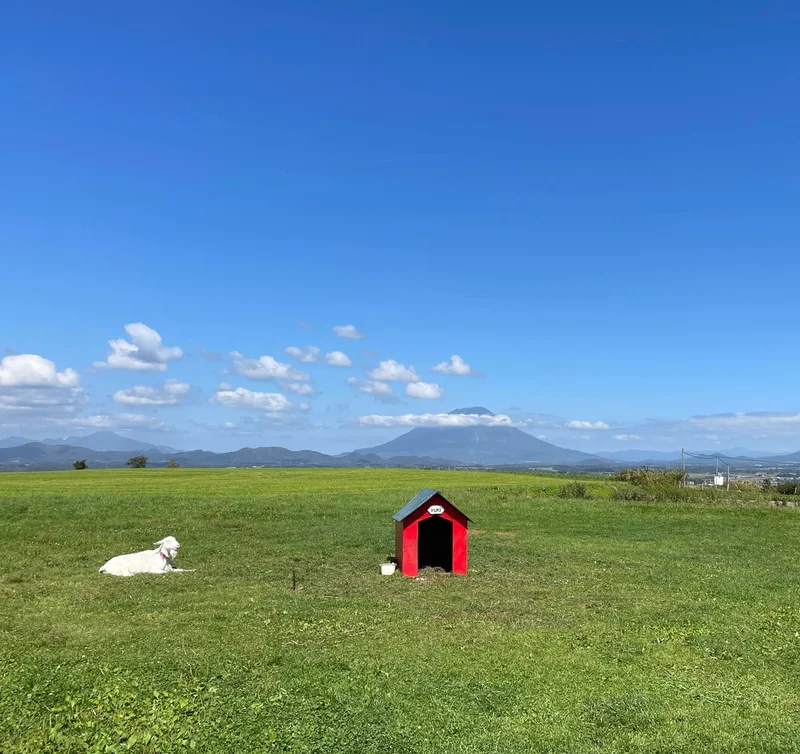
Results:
x,y
744,485
80,465
173,464
630,493
137,462
647,477
573,489
788,488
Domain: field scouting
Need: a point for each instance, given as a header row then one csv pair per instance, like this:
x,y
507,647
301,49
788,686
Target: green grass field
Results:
x,y
583,626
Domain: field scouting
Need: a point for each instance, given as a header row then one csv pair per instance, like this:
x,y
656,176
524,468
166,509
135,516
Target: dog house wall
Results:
x,y
406,530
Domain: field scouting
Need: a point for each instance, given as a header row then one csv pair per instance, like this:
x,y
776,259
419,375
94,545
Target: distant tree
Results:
x,y
79,465
137,462
766,485
173,464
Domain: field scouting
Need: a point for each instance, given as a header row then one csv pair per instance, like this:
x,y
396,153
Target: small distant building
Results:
x,y
430,532
719,480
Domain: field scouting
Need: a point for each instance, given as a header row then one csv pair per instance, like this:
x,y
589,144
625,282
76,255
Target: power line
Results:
x,y
708,457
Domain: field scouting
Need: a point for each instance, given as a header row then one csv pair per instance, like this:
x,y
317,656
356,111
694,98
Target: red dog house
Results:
x,y
430,531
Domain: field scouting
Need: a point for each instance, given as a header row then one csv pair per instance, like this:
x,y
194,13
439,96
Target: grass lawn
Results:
x,y
583,625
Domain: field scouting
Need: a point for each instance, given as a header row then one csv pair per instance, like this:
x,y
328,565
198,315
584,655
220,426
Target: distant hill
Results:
x,y
479,410
39,455
12,442
105,440
44,457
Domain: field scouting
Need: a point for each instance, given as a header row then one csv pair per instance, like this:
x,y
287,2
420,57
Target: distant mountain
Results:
x,y
739,452
12,442
789,458
105,440
638,456
665,456
436,447
489,446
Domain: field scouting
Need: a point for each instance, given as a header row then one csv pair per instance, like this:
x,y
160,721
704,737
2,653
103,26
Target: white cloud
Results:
x,y
348,331
542,421
625,438
425,390
117,422
144,352
307,355
380,391
170,393
734,428
31,385
369,387
242,398
392,371
31,370
586,425
266,368
38,400
775,420
338,359
301,388
456,365
434,420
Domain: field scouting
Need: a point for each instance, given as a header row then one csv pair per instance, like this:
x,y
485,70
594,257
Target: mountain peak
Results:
x,y
480,410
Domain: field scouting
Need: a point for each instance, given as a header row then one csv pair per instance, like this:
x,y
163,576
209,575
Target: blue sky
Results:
x,y
593,205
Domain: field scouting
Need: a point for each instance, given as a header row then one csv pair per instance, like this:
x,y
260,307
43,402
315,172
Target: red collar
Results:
x,y
162,555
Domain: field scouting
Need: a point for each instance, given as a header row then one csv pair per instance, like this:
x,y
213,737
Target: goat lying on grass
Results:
x,y
148,561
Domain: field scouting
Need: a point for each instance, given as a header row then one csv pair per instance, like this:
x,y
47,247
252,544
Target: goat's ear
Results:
x,y
160,541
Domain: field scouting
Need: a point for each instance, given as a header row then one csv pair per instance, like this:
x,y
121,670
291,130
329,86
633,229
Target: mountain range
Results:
x,y
420,447
38,456
102,440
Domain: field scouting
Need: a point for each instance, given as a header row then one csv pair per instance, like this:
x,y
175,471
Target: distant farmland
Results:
x,y
584,625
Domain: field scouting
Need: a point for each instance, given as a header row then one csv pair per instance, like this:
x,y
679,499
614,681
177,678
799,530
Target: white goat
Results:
x,y
148,561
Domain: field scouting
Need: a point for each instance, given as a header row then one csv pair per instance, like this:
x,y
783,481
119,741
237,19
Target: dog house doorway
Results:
x,y
435,543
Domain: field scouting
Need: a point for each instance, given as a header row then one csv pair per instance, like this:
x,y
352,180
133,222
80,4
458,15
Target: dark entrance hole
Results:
x,y
435,546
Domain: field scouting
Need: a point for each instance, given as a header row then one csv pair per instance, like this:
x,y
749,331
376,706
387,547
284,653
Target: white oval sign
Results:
x,y
436,510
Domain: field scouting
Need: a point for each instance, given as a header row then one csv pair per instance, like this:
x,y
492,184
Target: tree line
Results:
x,y
134,462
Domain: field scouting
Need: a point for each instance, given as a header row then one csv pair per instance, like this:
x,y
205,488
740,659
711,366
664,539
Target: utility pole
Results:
x,y
683,468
